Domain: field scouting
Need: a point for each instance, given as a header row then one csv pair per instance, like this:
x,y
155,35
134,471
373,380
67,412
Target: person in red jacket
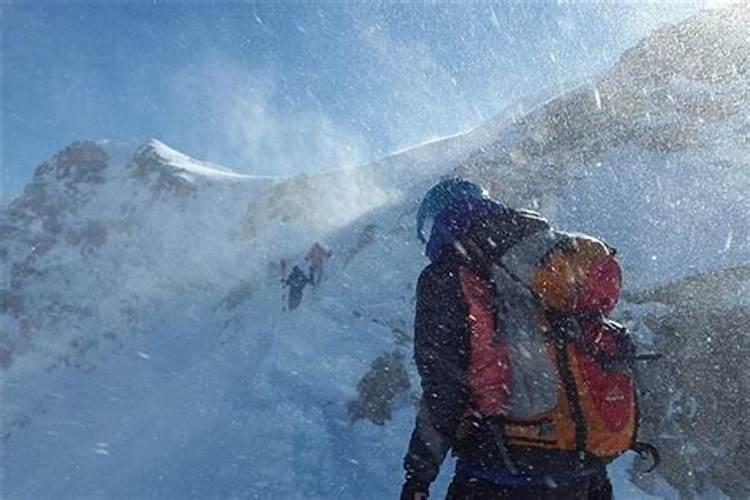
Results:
x,y
444,329
317,257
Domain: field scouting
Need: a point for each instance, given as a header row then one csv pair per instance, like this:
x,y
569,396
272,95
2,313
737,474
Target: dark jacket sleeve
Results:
x,y
441,336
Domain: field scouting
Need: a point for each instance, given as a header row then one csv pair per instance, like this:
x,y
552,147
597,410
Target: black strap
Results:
x,y
568,326
498,434
571,393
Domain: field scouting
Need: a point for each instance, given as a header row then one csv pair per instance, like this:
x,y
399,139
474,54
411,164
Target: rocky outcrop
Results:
x,y
697,397
59,187
379,387
163,178
659,97
80,163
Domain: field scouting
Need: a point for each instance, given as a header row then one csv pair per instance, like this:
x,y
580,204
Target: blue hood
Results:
x,y
452,223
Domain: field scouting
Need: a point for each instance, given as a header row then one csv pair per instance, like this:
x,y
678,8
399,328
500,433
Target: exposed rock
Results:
x,y
10,303
667,138
59,187
239,294
700,291
42,244
705,374
20,272
292,200
91,236
149,166
707,48
6,357
367,237
37,204
81,162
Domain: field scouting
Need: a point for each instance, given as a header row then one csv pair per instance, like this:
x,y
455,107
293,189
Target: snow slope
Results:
x,y
211,403
143,349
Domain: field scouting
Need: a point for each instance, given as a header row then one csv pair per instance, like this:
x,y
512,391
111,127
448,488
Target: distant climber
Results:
x,y
296,281
317,257
282,272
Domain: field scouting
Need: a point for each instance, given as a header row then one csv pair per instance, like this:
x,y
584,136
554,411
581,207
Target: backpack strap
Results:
x,y
571,392
569,326
647,450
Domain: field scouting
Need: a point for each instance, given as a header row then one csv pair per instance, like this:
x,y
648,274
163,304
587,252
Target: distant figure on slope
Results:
x,y
296,282
317,257
282,280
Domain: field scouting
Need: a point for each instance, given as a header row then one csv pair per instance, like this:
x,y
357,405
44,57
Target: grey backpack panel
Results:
x,y
523,258
533,376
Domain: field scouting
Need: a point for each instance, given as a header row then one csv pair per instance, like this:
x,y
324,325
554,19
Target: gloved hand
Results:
x,y
414,490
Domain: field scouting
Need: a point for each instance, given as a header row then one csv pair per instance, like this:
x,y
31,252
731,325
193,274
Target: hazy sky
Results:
x,y
288,87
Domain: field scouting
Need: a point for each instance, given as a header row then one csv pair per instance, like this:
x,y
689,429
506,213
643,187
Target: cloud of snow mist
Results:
x,y
270,135
644,17
424,95
265,130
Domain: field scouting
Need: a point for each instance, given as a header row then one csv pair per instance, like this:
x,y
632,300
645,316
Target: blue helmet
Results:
x,y
446,193
453,204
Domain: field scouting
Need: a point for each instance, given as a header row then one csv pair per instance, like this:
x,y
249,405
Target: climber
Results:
x,y
317,257
296,281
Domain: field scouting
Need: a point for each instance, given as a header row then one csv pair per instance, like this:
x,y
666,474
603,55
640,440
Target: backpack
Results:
x,y
545,360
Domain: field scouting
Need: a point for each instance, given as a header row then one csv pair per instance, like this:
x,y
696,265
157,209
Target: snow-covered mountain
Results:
x,y
144,352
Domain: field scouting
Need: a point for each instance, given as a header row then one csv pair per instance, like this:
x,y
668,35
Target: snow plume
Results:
x,y
423,90
644,17
268,132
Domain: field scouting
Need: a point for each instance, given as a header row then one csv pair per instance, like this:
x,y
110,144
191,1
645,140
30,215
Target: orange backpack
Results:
x,y
544,357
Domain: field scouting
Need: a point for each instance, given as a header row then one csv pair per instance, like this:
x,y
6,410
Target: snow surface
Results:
x,y
204,403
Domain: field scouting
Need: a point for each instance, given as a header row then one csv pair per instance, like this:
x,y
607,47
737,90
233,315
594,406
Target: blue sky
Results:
x,y
280,88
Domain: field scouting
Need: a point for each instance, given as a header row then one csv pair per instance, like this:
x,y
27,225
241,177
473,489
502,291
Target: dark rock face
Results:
x,y
239,295
711,47
59,209
10,303
46,216
378,388
81,162
59,187
698,69
367,237
698,395
6,356
292,200
659,97
90,236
